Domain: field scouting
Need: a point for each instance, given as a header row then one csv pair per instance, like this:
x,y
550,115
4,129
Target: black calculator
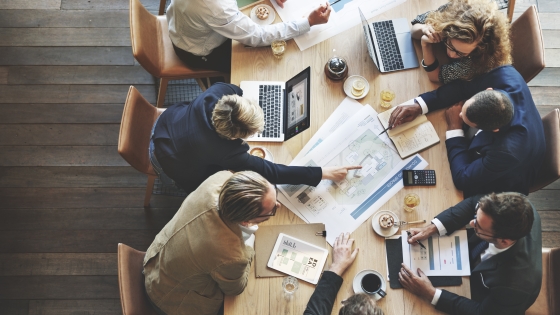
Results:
x,y
419,177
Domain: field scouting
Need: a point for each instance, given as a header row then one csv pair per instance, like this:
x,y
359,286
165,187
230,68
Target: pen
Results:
x,y
422,245
384,131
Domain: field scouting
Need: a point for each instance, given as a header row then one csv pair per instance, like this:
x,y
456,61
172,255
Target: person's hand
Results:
x,y
417,284
403,114
337,173
281,3
343,255
420,234
430,36
454,121
320,15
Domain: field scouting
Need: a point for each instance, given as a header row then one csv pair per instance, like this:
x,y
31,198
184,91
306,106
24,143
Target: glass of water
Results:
x,y
290,285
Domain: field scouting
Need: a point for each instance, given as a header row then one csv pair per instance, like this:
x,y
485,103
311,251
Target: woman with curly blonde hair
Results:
x,y
474,33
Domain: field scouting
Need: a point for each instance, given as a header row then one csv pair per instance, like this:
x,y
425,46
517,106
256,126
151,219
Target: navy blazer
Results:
x,y
507,160
190,150
506,283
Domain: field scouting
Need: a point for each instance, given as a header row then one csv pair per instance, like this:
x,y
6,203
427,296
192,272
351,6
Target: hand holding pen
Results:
x,y
417,241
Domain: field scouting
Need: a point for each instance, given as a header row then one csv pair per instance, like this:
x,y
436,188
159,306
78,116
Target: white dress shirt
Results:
x,y
199,26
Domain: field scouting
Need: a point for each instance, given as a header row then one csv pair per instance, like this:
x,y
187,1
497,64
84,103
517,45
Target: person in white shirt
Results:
x,y
201,30
505,255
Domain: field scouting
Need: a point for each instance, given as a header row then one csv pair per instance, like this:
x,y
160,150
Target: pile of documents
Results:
x,y
350,136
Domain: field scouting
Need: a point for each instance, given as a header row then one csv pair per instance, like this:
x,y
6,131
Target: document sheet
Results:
x,y
343,206
344,15
443,255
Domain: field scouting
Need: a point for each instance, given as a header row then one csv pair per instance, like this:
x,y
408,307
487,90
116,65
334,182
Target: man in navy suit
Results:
x,y
504,145
191,142
505,253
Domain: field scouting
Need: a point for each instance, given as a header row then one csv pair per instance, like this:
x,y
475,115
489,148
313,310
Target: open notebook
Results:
x,y
411,137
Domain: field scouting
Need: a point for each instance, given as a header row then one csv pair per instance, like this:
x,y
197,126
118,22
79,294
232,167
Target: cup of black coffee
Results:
x,y
371,284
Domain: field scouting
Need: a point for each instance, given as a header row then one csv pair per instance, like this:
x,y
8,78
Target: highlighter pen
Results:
x,y
422,245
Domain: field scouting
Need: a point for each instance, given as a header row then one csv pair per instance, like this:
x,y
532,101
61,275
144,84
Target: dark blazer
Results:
x,y
507,160
322,300
507,283
190,150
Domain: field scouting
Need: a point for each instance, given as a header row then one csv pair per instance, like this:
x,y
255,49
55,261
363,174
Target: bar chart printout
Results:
x,y
443,256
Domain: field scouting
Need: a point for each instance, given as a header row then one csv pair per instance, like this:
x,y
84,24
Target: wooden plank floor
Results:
x,y
66,196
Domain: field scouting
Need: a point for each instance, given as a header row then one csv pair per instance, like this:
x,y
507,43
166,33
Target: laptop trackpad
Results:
x,y
405,43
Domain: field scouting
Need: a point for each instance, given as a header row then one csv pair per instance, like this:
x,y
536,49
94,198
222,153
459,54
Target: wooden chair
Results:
x,y
137,121
547,302
528,45
550,168
152,48
134,300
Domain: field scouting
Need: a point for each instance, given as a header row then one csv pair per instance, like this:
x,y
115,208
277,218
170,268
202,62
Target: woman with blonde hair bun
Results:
x,y
192,141
474,33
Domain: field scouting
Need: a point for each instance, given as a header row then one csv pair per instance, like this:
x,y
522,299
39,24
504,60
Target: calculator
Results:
x,y
419,177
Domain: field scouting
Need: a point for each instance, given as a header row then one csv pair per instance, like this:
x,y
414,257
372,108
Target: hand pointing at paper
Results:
x,y
337,173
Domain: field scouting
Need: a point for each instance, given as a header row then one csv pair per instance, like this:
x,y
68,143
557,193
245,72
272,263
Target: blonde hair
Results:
x,y
237,117
476,21
360,304
242,196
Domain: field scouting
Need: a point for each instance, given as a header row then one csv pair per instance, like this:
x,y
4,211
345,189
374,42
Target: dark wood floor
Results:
x,y
66,196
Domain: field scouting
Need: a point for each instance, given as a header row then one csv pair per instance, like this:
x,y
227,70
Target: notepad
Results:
x,y
298,258
411,137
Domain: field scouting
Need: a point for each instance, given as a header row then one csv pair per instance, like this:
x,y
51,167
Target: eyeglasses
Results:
x,y
273,212
449,46
476,225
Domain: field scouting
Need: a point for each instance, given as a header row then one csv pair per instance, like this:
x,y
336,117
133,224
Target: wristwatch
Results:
x,y
431,67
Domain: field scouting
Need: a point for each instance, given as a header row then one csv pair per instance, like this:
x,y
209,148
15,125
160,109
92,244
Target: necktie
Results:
x,y
477,250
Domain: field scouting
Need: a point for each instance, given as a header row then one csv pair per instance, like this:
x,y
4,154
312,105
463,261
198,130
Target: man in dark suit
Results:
x,y
191,142
508,145
505,251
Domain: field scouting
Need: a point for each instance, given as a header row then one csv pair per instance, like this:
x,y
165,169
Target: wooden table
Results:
x,y
263,296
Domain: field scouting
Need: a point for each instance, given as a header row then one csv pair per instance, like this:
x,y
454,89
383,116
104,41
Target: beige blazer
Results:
x,y
197,257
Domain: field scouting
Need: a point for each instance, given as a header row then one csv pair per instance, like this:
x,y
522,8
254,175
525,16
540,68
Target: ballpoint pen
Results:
x,y
421,245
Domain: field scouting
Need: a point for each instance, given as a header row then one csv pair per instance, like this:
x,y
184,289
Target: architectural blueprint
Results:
x,y
344,205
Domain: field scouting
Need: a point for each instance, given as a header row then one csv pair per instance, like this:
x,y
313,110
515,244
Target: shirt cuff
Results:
x,y
436,297
454,133
303,26
442,230
422,104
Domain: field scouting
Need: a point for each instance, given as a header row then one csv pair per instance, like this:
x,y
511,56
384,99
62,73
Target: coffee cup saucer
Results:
x,y
381,231
357,286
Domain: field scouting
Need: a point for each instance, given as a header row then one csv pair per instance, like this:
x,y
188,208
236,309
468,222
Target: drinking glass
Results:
x,y
411,201
386,97
278,48
290,285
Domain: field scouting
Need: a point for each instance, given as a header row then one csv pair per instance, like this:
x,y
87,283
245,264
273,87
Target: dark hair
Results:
x,y
360,304
490,110
242,196
511,213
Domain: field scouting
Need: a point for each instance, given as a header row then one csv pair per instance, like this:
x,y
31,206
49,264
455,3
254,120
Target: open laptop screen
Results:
x,y
298,105
369,38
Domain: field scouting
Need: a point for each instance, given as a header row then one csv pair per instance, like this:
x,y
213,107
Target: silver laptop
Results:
x,y
389,44
286,106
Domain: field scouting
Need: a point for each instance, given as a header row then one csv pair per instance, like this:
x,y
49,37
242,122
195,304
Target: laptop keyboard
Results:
x,y
270,102
388,46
